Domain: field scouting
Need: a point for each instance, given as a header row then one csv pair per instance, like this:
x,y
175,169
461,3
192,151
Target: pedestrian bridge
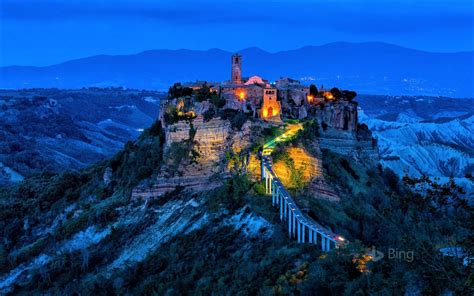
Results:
x,y
300,226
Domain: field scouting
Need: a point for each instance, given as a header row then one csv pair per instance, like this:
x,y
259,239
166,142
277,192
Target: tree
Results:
x,y
336,93
349,95
313,90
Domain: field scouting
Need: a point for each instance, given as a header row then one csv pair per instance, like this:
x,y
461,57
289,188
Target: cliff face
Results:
x,y
341,132
307,166
209,143
338,115
210,138
304,169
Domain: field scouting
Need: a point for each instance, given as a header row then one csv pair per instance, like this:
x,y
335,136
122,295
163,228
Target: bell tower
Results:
x,y
236,69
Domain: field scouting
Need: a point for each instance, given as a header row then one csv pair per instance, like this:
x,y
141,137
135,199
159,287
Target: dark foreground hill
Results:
x,y
365,67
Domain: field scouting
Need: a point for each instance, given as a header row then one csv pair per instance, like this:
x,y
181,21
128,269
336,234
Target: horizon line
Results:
x,y
237,51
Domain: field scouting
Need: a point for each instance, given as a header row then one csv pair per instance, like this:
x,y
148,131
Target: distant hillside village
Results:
x,y
266,100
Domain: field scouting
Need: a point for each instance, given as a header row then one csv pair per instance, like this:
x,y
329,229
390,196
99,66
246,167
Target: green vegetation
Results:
x,y
379,209
178,91
138,160
230,195
38,200
266,135
313,90
236,118
296,180
243,248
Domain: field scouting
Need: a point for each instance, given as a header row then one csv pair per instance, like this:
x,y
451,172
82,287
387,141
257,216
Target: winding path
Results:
x,y
300,225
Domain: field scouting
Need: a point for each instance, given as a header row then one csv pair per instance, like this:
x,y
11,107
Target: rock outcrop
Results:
x,y
340,115
305,169
210,141
210,138
347,143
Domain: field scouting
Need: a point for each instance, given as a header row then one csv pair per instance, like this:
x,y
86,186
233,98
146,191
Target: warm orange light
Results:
x,y
242,95
191,114
328,95
310,98
180,105
275,112
265,113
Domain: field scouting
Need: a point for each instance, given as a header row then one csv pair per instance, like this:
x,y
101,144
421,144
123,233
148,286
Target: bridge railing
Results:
x,y
298,222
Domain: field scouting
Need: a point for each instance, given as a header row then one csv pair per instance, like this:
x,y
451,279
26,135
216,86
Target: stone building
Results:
x,y
254,94
236,77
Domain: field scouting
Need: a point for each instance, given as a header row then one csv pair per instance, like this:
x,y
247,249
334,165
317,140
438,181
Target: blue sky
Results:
x,y
44,32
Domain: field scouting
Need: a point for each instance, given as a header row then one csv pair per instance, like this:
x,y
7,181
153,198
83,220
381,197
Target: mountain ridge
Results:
x,y
369,67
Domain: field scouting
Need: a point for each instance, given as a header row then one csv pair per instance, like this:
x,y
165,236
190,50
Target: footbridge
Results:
x,y
300,226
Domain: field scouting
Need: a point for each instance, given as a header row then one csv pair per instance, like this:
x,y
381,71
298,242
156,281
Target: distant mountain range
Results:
x,y
372,68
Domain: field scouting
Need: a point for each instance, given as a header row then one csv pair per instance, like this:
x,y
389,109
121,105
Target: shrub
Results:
x,y
313,90
178,91
324,125
209,114
259,188
230,195
217,101
347,167
236,118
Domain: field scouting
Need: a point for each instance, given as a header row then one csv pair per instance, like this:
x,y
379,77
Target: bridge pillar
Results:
x,y
289,223
281,207
266,183
270,181
299,231
273,197
262,169
328,244
323,243
315,237
285,212
277,197
293,230
302,232
310,240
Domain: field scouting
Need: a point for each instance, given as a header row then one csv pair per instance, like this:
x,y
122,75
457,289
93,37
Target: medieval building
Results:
x,y
253,94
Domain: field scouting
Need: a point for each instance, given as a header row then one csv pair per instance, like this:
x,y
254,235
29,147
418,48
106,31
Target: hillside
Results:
x,y
59,130
423,135
84,234
88,231
367,67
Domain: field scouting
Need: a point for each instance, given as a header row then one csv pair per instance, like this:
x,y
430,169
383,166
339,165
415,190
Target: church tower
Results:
x,y
236,69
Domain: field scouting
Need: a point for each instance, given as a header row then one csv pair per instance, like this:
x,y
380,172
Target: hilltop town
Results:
x,y
205,122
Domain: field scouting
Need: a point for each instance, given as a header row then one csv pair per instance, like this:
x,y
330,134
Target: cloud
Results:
x,y
357,16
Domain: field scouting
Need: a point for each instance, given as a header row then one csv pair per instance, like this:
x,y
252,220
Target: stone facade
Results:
x,y
236,75
250,94
271,108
